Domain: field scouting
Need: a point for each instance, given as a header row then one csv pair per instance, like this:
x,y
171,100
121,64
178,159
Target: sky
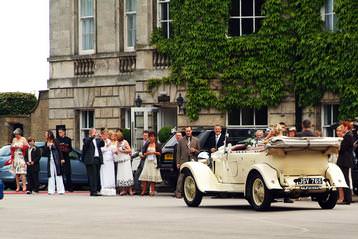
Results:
x,y
24,45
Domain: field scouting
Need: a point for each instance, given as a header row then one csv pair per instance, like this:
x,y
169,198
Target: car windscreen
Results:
x,y
5,150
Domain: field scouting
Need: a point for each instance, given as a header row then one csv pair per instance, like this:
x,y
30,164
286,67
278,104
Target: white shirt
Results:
x,y
29,154
217,137
96,153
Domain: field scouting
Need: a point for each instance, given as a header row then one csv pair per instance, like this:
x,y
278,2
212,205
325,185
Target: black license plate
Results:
x,y
309,181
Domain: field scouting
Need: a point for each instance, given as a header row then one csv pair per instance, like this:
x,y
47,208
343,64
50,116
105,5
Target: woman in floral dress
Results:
x,y
19,147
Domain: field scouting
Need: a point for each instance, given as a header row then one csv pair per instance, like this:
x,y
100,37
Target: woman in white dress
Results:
x,y
54,164
151,172
124,170
108,183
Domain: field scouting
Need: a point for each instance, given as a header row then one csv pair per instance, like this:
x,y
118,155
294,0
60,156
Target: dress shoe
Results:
x,y
95,195
28,192
287,200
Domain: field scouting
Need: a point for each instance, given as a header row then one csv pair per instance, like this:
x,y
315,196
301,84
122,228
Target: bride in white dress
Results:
x,y
124,170
108,183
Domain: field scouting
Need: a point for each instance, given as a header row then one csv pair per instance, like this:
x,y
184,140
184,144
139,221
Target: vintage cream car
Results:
x,y
284,168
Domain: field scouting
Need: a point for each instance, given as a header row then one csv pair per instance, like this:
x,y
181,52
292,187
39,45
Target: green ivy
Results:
x,y
292,53
16,103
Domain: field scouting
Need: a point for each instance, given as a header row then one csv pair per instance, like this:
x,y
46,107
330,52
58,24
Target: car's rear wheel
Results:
x,y
258,195
328,200
192,195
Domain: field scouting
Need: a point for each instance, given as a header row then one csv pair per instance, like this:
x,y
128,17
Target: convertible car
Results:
x,y
284,168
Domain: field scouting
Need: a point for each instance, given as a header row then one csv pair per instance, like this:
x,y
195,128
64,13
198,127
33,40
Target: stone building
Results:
x,y
101,60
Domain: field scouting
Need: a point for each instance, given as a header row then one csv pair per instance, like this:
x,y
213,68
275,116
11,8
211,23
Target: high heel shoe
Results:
x,y
142,193
122,193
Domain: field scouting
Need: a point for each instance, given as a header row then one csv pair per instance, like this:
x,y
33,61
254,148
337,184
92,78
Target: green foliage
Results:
x,y
164,134
16,103
127,135
292,53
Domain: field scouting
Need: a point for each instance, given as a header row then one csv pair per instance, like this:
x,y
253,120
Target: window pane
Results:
x,y
164,27
234,27
261,116
86,8
327,119
247,116
258,7
258,23
329,22
247,7
84,119
247,26
87,33
234,117
335,113
164,11
329,6
130,5
335,23
90,119
235,8
131,30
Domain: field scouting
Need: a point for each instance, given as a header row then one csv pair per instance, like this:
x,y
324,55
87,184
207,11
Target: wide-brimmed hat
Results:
x,y
17,131
292,129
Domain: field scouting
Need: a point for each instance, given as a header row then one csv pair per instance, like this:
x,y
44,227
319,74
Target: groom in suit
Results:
x,y
93,158
217,140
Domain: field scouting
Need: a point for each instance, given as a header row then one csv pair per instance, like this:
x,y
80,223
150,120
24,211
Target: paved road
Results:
x,y
79,216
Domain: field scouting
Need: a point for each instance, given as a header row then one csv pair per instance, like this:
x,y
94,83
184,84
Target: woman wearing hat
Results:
x,y
18,151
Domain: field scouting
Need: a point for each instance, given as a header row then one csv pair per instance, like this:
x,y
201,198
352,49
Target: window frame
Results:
x,y
82,128
125,27
254,125
240,17
159,14
331,16
326,127
80,35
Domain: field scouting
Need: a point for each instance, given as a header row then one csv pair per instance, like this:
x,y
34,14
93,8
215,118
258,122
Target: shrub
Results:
x,y
16,103
164,134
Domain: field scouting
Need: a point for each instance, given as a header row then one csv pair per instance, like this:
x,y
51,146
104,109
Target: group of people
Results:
x,y
103,151
25,159
107,156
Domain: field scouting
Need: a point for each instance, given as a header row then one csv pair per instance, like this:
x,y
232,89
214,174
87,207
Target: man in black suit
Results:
x,y
217,140
32,159
93,158
345,160
65,145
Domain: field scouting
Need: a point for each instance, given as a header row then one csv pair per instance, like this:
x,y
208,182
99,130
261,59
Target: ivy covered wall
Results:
x,y
292,53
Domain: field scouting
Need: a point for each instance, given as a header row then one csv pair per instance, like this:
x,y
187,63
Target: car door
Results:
x,y
230,168
79,173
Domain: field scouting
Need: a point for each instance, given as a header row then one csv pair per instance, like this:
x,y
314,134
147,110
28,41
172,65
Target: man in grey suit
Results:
x,y
188,149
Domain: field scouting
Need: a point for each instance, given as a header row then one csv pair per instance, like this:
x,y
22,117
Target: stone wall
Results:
x,y
39,117
8,124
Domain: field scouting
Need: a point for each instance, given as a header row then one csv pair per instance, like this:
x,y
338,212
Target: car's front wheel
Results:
x,y
192,195
258,195
329,200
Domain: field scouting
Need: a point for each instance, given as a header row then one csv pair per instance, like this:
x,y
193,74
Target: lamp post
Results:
x,y
138,101
180,103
